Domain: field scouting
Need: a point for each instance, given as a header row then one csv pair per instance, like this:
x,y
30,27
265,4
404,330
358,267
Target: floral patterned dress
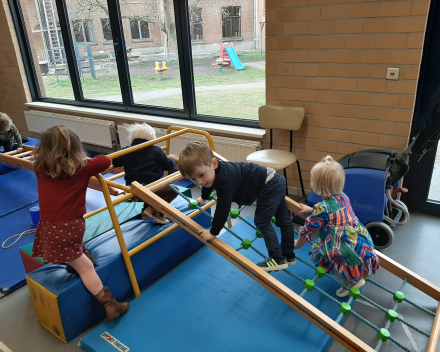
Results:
x,y
345,248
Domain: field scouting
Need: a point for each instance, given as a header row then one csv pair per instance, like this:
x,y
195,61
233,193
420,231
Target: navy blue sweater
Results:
x,y
234,182
144,165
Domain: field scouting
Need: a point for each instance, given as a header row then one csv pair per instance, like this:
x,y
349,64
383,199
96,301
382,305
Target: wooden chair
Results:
x,y
281,117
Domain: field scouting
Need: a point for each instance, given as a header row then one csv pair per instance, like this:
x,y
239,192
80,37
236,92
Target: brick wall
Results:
x,y
14,89
330,57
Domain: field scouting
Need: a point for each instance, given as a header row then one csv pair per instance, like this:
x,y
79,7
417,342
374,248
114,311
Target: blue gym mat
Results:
x,y
207,304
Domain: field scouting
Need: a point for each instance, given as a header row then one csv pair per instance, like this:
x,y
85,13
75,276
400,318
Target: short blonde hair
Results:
x,y
5,122
327,177
141,130
194,154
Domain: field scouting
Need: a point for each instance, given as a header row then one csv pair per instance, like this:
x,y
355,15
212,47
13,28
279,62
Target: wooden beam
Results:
x,y
94,184
17,162
413,279
435,333
300,305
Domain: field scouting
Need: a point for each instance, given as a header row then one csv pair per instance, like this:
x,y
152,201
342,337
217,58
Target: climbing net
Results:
x,y
345,308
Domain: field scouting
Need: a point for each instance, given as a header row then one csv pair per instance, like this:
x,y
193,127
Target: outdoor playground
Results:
x,y
243,90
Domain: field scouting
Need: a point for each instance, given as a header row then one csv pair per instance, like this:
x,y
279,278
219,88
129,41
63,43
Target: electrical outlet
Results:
x,y
393,73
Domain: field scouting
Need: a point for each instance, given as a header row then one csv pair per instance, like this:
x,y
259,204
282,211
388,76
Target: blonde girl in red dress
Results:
x,y
63,172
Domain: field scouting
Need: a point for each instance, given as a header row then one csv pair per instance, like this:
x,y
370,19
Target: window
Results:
x,y
139,29
106,30
83,30
149,70
231,21
195,16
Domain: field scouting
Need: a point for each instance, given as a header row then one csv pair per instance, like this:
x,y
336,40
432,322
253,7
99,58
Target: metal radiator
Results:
x,y
231,148
90,131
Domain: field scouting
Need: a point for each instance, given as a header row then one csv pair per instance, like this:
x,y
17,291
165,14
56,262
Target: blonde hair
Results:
x,y
327,177
59,153
142,130
5,122
194,154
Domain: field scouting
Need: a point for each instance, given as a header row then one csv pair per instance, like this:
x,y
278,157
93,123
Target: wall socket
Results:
x,y
393,73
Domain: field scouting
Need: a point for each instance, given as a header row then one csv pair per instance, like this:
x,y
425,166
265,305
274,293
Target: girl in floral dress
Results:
x,y
344,247
63,172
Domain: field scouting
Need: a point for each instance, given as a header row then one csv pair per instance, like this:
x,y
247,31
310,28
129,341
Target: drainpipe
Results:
x,y
255,23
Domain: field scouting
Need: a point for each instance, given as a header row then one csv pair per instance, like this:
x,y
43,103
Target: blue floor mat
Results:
x,y
18,189
207,304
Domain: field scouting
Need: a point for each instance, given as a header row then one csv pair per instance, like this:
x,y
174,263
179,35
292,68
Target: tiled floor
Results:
x,y
415,246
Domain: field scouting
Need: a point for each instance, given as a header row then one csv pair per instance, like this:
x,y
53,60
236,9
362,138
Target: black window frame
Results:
x,y
182,23
139,25
229,13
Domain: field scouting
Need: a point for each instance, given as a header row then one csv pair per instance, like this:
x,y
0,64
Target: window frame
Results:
x,y
229,17
139,29
182,23
84,31
103,25
199,22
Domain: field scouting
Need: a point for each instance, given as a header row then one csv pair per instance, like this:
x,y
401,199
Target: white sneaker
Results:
x,y
342,292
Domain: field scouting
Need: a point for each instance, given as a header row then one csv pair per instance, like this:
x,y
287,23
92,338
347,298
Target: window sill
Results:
x,y
107,43
86,43
198,41
232,39
141,40
213,128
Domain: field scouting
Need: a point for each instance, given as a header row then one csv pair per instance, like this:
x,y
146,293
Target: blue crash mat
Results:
x,y
207,304
149,265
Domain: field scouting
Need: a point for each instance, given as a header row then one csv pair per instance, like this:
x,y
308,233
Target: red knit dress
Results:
x,y
59,235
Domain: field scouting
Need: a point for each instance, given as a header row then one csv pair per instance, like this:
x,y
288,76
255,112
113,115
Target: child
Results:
x,y
243,183
8,132
144,167
63,172
345,248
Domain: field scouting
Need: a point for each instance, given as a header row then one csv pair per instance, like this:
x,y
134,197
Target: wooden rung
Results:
x,y
29,157
10,153
23,154
300,305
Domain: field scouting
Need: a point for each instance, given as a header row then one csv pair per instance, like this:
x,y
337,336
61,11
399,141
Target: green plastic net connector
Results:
x,y
192,204
354,292
398,297
234,213
246,243
344,308
273,219
391,315
211,196
320,272
383,334
309,285
259,234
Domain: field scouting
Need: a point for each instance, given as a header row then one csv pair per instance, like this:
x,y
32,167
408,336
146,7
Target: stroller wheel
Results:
x,y
381,234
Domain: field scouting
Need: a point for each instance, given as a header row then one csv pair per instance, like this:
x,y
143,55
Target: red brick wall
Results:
x,y
330,57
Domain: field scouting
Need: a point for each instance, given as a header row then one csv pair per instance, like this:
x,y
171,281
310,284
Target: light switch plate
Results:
x,y
393,73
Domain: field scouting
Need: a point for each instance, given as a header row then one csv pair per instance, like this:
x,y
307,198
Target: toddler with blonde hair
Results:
x,y
344,247
144,166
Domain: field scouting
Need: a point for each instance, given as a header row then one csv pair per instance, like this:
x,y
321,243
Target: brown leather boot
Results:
x,y
113,308
89,255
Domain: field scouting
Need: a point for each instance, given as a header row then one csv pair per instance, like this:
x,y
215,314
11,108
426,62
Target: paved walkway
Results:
x,y
155,94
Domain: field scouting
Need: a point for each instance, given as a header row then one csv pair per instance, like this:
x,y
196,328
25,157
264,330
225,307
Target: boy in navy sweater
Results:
x,y
243,183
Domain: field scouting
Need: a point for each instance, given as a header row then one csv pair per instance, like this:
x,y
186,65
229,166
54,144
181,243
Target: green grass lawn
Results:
x,y
238,103
144,79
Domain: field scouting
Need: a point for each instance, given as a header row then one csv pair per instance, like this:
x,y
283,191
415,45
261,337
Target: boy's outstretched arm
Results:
x,y
301,241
